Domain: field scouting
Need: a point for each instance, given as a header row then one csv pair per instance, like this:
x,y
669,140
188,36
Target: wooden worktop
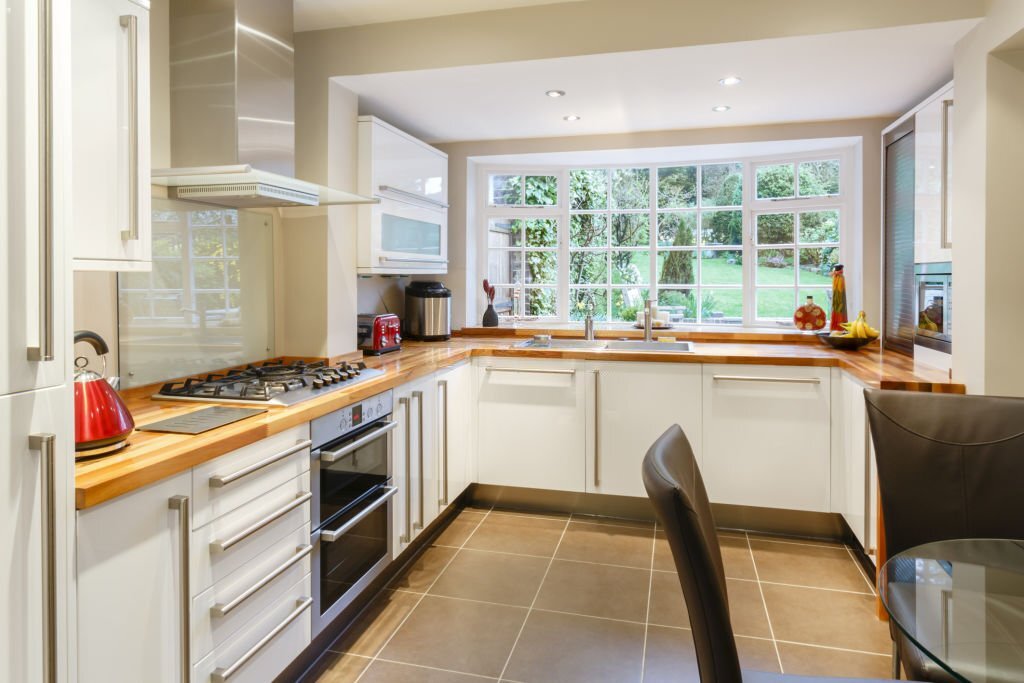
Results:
x,y
153,456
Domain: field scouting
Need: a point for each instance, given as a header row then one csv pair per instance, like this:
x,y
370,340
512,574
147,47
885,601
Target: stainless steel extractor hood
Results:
x,y
233,108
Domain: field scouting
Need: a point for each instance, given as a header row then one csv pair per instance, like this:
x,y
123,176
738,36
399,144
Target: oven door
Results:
x,y
349,553
344,471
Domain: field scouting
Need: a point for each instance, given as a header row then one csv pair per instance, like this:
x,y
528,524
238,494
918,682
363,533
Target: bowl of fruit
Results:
x,y
853,335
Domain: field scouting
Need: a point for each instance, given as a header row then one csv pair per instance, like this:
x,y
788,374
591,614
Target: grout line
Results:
x,y
534,602
816,588
862,572
840,649
647,616
771,630
436,668
786,541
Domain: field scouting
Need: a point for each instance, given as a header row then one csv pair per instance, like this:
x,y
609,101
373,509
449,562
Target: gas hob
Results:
x,y
271,383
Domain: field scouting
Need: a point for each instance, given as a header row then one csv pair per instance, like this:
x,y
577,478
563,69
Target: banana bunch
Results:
x,y
859,329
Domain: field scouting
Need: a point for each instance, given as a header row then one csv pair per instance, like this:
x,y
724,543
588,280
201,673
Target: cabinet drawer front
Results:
x,y
211,564
266,645
226,483
231,603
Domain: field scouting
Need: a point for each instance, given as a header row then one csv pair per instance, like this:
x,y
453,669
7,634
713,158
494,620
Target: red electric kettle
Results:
x,y
102,420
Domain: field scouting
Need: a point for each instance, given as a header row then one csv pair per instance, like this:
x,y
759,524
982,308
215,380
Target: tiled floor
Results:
x,y
535,598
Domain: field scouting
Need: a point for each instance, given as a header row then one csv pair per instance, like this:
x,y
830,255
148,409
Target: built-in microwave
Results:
x,y
404,236
934,328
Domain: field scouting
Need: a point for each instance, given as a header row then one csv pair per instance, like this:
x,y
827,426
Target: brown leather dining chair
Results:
x,y
949,467
676,489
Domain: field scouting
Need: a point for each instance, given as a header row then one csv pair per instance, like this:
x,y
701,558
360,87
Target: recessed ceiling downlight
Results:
x,y
555,93
721,107
571,117
730,80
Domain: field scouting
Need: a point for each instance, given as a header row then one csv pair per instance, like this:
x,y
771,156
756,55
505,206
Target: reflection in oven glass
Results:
x,y
346,560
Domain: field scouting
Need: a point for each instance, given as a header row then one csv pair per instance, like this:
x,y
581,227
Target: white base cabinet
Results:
x,y
854,478
456,420
414,461
631,405
767,436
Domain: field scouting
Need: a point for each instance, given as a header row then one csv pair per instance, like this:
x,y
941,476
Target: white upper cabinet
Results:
x,y
111,139
408,231
933,170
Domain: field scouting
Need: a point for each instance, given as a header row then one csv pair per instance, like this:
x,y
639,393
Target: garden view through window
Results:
x,y
562,242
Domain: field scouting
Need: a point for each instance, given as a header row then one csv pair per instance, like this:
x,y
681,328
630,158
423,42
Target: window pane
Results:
x,y
721,184
723,306
210,301
631,188
504,301
542,302
631,267
677,187
588,268
506,189
681,304
819,226
169,244
721,267
677,229
208,274
775,267
589,188
588,230
505,232
582,299
775,228
776,182
626,302
819,178
541,267
822,297
231,241
133,280
677,267
631,230
777,304
542,232
541,190
234,275
816,265
166,274
722,227
505,267
207,242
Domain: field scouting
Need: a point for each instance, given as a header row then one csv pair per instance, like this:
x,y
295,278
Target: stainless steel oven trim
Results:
x,y
371,435
314,471
332,535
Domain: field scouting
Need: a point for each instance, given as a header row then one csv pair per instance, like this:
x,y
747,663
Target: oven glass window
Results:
x,y
346,480
346,560
931,317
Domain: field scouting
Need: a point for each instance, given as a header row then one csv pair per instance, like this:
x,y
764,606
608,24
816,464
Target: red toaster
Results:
x,y
379,333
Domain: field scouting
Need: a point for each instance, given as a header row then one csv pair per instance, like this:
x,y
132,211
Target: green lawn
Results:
x,y
770,303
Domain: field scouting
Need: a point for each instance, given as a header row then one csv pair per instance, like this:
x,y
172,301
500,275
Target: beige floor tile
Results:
x,y
746,608
831,618
607,544
376,624
823,542
596,590
805,660
334,667
570,649
807,565
541,514
492,577
518,534
456,533
614,521
670,656
458,635
736,559
424,570
393,672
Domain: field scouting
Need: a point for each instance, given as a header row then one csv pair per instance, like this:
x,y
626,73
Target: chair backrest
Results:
x,y
949,466
681,504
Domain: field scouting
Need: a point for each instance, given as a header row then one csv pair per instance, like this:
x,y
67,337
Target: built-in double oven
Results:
x,y
352,503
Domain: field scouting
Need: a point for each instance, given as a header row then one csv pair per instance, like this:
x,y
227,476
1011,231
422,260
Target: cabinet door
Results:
x,y
413,460
767,436
632,405
849,453
31,527
531,425
931,180
110,135
455,420
405,164
32,269
130,586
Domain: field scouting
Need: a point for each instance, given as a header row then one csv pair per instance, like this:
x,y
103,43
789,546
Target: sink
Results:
x,y
548,343
641,345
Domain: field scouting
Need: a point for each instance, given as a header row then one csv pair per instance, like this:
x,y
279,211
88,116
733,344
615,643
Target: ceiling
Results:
x,y
317,14
879,72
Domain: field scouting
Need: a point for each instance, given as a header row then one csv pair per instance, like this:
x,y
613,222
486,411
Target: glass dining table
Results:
x,y
962,603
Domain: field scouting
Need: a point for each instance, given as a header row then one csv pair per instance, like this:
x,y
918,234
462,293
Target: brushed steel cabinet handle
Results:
x,y
44,352
334,456
181,504
46,445
389,189
418,395
443,384
332,535
407,536
217,481
222,609
778,380
248,531
224,673
131,23
597,428
532,371
945,240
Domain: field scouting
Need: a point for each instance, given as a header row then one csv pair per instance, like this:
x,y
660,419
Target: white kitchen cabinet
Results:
x,y
767,436
392,161
531,423
456,417
632,404
932,175
414,460
130,585
111,135
850,441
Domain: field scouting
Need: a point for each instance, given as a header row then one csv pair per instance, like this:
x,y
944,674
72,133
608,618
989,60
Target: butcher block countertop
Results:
x,y
152,456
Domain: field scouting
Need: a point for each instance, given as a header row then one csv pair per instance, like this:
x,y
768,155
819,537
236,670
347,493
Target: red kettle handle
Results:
x,y
94,340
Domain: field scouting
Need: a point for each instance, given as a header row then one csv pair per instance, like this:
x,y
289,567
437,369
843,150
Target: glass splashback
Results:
x,y
207,304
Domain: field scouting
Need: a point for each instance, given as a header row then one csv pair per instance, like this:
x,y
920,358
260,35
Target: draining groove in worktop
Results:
x,y
507,596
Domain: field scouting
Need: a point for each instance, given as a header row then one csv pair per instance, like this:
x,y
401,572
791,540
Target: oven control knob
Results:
x,y
318,383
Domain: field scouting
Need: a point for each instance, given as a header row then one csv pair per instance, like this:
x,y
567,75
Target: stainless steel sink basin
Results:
x,y
543,342
641,345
